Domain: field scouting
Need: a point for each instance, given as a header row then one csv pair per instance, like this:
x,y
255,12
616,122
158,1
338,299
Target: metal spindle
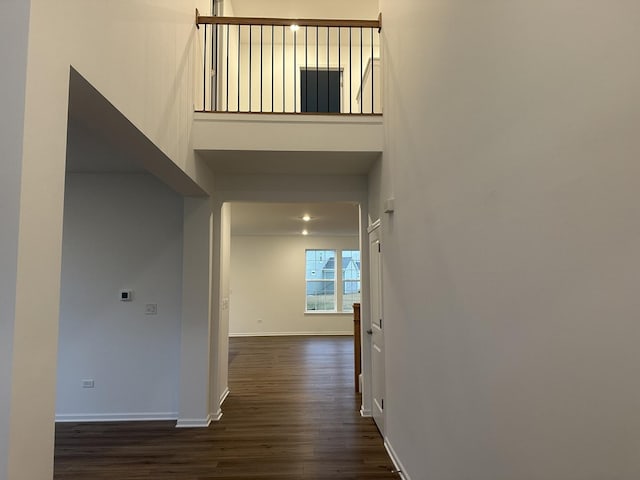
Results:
x,y
261,68
317,79
372,90
214,92
328,72
306,73
361,72
284,79
227,84
239,31
272,72
250,66
295,76
339,63
204,73
350,74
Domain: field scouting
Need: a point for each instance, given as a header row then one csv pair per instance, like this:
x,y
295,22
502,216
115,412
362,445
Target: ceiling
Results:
x,y
338,218
327,9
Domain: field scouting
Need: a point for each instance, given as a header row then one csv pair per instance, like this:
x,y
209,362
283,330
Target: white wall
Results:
x,y
14,20
268,287
511,262
120,231
141,57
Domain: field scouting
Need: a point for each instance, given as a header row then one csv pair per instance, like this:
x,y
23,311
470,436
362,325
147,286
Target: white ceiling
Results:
x,y
326,9
337,218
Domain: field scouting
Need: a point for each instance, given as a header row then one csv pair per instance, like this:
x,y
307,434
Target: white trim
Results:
x,y
292,334
224,395
396,461
327,312
114,417
216,417
365,413
194,422
373,226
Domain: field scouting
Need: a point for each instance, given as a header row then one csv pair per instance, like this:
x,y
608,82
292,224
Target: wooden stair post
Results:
x,y
357,344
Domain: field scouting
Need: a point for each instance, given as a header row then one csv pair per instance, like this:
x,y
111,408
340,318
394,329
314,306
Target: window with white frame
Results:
x,y
325,270
350,270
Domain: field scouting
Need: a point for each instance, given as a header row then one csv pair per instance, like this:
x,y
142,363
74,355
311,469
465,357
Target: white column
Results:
x,y
31,206
219,338
195,352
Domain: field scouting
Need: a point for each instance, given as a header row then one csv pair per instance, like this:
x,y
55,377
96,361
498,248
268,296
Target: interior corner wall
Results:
x,y
121,231
225,292
511,267
268,286
14,21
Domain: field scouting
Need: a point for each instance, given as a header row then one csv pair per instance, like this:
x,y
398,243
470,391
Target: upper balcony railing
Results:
x,y
275,65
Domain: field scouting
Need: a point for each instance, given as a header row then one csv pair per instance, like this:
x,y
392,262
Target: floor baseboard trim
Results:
x,y
333,333
224,395
194,422
114,417
365,413
396,461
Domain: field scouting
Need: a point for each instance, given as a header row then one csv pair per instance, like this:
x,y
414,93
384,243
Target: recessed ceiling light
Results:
x,y
304,232
306,217
294,27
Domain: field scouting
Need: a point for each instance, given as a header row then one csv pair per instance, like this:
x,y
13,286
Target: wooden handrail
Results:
x,y
286,22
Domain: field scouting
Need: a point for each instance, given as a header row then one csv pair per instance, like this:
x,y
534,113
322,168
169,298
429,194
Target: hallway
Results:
x,y
292,414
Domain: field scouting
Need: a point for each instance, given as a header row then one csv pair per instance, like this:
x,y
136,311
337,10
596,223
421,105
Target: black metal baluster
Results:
x,y
317,78
361,72
227,84
214,91
260,68
284,80
239,31
295,75
350,73
372,89
306,73
340,65
250,66
204,73
272,72
328,69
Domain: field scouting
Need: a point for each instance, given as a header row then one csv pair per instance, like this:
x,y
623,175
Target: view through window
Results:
x,y
322,274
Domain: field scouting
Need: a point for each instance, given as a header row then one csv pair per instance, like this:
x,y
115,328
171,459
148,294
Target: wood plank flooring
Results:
x,y
291,414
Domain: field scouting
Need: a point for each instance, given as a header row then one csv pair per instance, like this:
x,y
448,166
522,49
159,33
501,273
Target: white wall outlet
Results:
x,y
88,383
151,309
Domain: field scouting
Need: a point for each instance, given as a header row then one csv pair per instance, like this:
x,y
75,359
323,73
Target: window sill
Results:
x,y
311,312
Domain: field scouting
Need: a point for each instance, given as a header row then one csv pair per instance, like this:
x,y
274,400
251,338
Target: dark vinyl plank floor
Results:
x,y
291,414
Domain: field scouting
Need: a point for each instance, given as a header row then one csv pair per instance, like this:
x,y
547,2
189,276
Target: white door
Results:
x,y
376,331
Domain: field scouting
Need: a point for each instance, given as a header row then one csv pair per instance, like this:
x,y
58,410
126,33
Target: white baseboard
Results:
x,y
396,461
193,422
224,395
365,413
293,334
114,417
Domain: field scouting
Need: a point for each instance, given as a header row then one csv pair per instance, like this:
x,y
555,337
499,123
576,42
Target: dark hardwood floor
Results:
x,y
291,414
